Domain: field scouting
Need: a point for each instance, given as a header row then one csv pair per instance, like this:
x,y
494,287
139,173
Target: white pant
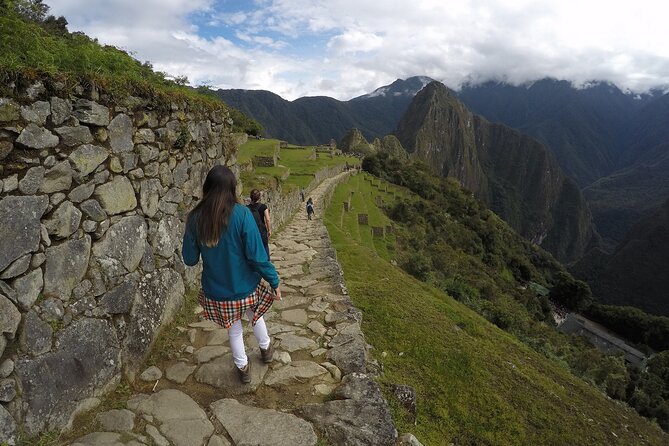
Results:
x,y
235,333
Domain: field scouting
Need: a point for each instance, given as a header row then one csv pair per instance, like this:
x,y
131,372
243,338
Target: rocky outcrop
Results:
x,y
357,410
512,173
355,142
93,197
391,145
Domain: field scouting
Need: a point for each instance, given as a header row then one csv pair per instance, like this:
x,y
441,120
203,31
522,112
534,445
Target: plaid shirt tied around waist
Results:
x,y
226,312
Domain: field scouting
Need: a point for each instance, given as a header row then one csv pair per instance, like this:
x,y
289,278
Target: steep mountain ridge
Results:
x,y
614,144
316,120
636,273
587,128
511,172
619,200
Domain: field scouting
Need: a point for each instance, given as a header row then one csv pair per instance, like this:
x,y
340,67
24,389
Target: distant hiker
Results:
x,y
261,215
310,208
224,233
302,194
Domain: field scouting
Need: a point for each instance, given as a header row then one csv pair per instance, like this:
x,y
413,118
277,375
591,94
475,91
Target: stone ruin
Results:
x,y
363,219
264,161
93,199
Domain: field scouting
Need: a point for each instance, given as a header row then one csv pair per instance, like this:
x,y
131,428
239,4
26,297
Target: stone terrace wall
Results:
x,y
93,197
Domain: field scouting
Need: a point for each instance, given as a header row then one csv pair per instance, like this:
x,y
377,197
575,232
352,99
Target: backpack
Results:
x,y
260,221
310,208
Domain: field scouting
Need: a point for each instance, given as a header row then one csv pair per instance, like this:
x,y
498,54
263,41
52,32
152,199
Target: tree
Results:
x,y
659,366
31,10
37,12
181,80
574,294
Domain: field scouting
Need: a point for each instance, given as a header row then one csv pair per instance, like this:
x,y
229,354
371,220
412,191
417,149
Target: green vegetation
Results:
x,y
37,46
574,294
633,324
257,147
476,384
296,165
30,49
462,248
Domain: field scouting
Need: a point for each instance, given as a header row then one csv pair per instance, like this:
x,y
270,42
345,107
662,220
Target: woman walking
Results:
x,y
260,213
224,233
310,208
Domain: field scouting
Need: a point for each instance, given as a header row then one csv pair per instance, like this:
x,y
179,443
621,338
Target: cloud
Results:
x,y
344,48
355,41
262,41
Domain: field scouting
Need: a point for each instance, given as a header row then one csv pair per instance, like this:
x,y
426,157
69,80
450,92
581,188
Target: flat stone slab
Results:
x,y
181,420
217,337
291,271
295,372
153,373
322,288
296,316
217,440
206,354
319,307
104,439
292,343
156,436
121,420
262,427
222,374
301,283
318,352
290,301
179,372
289,261
317,328
205,325
324,389
283,328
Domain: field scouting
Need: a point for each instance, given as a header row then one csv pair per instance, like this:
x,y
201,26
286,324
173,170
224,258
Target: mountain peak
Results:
x,y
401,87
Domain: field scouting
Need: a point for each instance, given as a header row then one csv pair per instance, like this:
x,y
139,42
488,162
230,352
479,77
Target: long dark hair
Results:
x,y
214,209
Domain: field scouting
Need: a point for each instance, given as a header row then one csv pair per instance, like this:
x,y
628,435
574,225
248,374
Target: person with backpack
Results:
x,y
224,233
261,215
310,208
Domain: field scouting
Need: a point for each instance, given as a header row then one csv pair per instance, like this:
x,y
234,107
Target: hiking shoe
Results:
x,y
267,354
245,373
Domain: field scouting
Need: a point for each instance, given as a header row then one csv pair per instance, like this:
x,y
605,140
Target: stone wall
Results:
x,y
93,196
264,161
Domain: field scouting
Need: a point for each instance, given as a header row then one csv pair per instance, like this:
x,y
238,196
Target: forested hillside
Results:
x,y
474,383
452,241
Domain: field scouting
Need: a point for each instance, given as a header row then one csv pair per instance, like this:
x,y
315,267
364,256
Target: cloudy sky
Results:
x,y
344,48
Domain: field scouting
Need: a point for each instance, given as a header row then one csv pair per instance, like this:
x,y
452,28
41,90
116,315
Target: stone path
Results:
x,y
317,386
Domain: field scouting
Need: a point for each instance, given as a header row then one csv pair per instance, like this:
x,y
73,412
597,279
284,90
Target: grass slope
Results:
x,y
295,168
476,384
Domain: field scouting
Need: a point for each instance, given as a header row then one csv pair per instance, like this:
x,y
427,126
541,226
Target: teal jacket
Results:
x,y
233,268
